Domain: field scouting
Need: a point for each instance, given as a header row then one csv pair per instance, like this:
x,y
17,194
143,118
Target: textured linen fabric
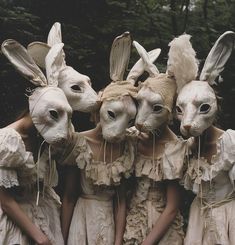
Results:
x,y
149,197
93,220
18,173
212,219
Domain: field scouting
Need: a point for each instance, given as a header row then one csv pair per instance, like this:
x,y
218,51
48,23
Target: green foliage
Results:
x,y
89,27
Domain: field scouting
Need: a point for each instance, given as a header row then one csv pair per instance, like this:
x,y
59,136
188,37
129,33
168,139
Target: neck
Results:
x,y
24,126
210,135
164,134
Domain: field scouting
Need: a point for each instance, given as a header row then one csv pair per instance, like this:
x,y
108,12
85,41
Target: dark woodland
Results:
x,y
88,29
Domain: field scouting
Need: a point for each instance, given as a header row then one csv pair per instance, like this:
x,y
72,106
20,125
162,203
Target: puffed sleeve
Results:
x,y
13,156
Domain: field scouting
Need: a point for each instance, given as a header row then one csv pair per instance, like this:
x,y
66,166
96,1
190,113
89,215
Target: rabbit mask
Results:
x,y
157,93
196,102
48,106
118,108
76,86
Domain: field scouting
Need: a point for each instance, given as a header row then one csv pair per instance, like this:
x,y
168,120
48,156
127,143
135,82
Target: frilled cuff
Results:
x,y
8,178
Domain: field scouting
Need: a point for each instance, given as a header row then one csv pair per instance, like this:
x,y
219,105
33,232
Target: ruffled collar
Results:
x,y
167,166
200,169
103,173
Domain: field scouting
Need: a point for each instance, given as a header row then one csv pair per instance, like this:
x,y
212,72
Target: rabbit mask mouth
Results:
x,y
52,118
196,108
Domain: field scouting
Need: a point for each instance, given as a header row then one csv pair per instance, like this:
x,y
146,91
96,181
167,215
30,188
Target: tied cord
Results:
x,y
198,165
104,144
38,177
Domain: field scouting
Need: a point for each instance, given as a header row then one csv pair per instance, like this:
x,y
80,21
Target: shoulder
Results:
x,y
12,149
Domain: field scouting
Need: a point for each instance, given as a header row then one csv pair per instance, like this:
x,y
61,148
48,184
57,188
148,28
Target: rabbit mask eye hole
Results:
x,y
111,115
54,114
76,88
157,108
178,110
204,108
131,122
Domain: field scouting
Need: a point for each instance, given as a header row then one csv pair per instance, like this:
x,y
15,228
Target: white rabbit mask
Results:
x,y
118,108
196,103
76,86
48,106
157,93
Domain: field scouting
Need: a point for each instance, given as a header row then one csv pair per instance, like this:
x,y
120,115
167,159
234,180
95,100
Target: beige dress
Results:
x,y
149,198
93,221
18,173
212,213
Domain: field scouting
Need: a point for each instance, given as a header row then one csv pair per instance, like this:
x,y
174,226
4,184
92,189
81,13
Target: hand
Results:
x,y
43,240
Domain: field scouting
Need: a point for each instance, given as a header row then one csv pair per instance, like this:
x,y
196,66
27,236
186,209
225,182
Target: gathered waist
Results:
x,y
97,197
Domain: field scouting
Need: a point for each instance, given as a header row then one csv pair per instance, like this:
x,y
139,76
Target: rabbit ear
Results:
x,y
54,63
218,57
139,67
23,62
119,56
54,35
38,51
148,65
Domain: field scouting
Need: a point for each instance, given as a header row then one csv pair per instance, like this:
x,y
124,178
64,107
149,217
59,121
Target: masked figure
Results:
x,y
210,169
153,214
93,213
30,209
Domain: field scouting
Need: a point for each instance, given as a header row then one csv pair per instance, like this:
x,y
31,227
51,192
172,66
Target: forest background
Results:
x,y
88,29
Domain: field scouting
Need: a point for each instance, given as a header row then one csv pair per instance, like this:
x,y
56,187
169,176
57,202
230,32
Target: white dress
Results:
x,y
93,221
149,197
18,173
212,213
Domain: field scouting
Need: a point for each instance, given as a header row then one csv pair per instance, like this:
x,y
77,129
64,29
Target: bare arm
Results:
x,y
168,215
69,200
13,210
120,213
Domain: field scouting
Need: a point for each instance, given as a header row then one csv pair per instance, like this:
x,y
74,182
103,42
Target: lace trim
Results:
x,y
105,173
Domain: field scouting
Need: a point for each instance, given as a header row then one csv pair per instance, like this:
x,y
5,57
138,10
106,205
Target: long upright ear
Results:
x,y
218,57
119,56
182,63
23,62
54,35
38,51
139,67
54,63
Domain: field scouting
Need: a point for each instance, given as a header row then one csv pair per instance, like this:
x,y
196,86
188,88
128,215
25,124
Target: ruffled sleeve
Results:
x,y
169,166
13,156
223,160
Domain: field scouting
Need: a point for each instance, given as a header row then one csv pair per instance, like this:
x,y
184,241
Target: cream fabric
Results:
x,y
17,168
149,197
116,90
211,218
93,214
164,85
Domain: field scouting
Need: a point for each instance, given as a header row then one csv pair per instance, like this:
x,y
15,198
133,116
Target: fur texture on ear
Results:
x,y
182,63
23,62
119,56
54,63
139,67
217,57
